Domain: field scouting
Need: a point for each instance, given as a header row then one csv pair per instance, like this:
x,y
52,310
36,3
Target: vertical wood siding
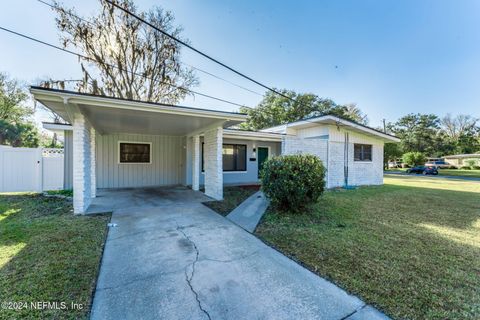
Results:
x,y
167,167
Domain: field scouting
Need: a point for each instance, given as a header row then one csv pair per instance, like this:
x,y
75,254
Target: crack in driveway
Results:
x,y
190,278
354,311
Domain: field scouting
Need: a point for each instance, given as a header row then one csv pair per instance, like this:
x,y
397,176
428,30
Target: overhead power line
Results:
x,y
54,7
194,49
121,69
223,79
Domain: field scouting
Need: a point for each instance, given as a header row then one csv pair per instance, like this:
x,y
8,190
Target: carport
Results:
x,y
119,143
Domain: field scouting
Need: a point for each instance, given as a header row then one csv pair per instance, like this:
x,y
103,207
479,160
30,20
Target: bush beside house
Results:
x,y
292,182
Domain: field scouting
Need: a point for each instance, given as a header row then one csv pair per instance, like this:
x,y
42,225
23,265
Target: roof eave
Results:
x,y
324,119
62,96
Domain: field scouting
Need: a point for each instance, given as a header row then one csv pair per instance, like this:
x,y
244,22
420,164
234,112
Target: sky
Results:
x,y
389,57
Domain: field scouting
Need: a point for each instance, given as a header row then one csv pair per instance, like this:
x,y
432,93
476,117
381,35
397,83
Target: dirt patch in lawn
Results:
x,y
232,198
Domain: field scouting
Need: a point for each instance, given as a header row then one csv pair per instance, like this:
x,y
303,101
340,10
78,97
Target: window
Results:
x,y
362,152
234,157
135,152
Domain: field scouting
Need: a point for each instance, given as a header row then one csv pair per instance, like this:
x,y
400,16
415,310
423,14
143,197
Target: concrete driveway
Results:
x,y
170,257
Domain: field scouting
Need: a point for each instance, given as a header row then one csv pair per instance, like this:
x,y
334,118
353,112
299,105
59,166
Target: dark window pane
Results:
x,y
357,152
234,157
134,152
228,157
362,152
241,161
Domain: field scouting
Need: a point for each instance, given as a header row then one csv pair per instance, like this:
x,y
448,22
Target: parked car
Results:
x,y
395,164
439,164
423,170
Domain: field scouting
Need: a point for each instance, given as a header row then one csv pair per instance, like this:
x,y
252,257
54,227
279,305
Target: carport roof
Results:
x,y
116,115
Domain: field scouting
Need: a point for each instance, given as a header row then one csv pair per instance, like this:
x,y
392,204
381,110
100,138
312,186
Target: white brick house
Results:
x,y
351,152
121,143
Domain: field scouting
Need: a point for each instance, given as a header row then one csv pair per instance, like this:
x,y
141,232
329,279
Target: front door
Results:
x,y
262,157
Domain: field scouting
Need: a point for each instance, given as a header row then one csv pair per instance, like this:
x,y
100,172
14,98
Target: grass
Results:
x,y
47,254
459,172
66,193
450,172
410,247
232,198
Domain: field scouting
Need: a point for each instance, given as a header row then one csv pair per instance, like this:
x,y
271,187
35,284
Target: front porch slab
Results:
x,y
111,200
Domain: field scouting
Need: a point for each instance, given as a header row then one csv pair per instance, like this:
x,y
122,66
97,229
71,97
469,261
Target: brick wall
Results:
x,y
82,161
213,163
328,143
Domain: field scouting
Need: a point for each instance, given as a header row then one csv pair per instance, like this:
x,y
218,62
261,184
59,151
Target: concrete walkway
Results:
x,y
170,257
248,214
401,173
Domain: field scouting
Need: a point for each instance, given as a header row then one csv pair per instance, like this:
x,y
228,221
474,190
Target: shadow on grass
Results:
x,y
411,251
48,255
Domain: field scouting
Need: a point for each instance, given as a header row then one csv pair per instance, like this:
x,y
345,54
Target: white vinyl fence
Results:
x,y
30,169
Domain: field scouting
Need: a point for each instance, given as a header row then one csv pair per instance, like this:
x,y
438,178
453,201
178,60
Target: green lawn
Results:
x,y
458,172
450,172
410,247
232,197
47,255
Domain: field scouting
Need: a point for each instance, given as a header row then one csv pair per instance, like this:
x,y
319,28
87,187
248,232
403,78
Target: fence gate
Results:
x,y
20,169
52,169
30,169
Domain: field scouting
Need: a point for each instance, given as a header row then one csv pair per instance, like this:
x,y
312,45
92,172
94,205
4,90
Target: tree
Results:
x,y
12,100
126,58
418,132
455,127
414,158
391,151
461,132
275,109
16,128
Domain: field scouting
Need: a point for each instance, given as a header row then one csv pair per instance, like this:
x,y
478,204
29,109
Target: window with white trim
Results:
x,y
135,152
362,152
234,157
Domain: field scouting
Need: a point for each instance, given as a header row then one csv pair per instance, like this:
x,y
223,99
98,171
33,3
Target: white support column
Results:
x,y
196,162
213,164
93,162
81,164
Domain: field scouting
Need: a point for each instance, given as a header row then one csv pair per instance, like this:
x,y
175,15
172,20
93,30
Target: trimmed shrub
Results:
x,y
293,182
466,168
414,158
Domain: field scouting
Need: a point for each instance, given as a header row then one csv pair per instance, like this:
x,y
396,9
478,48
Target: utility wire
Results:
x,y
220,78
184,44
54,7
196,50
121,69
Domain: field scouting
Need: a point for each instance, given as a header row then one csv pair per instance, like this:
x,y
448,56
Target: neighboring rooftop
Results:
x,y
463,156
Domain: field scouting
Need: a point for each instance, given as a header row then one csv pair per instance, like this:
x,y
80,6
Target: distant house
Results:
x,y
119,143
458,160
